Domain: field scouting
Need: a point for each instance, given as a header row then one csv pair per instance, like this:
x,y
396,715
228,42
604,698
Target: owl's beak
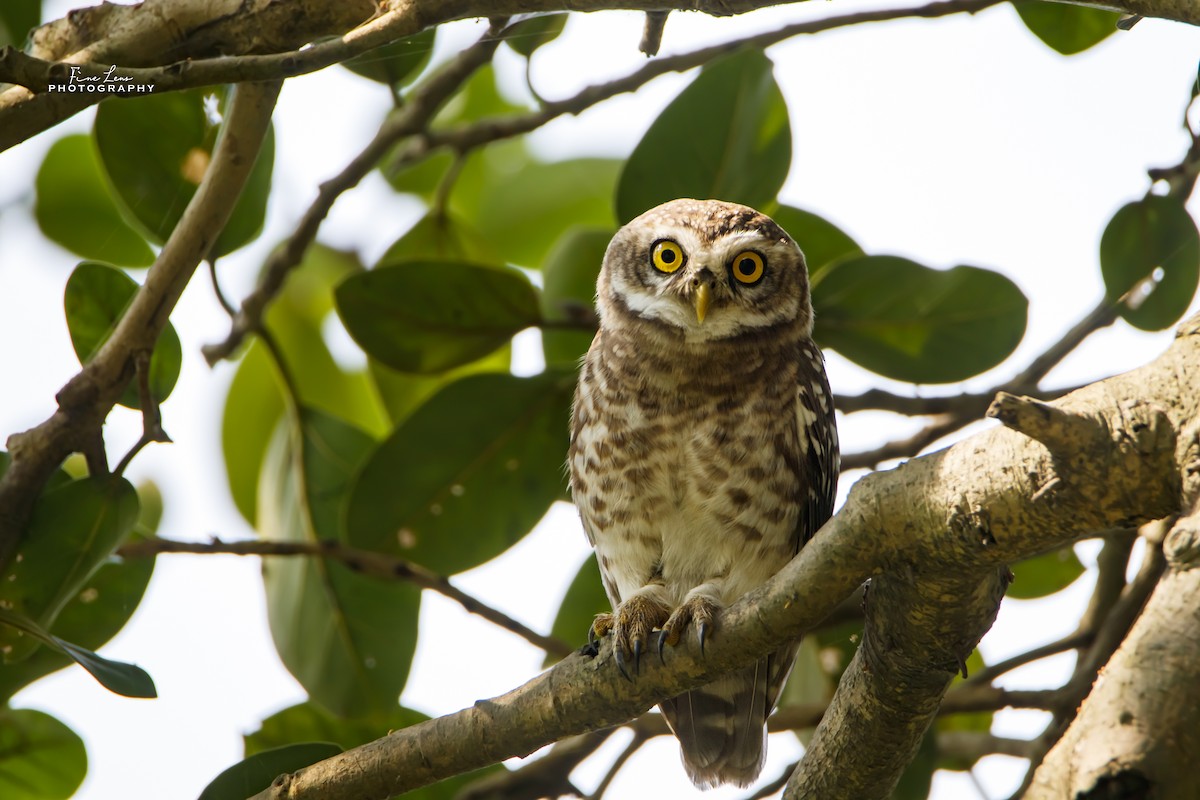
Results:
x,y
701,299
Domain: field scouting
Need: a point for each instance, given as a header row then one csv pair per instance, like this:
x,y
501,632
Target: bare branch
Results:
x,y
364,562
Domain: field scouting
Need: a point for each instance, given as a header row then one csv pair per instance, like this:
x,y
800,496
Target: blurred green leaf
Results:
x,y
1045,574
726,136
155,150
585,598
467,474
1155,233
1067,29
75,208
822,242
124,679
569,291
397,63
808,684
17,18
89,619
348,639
309,722
72,531
929,326
95,300
428,316
251,775
535,32
972,721
439,237
255,402
403,392
40,757
521,205
917,777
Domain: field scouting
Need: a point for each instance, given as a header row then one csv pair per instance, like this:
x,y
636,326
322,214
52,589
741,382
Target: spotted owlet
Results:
x,y
704,450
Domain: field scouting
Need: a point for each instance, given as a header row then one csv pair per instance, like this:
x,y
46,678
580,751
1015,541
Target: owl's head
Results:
x,y
708,269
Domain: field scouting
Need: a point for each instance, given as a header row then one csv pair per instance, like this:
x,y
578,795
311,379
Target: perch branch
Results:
x,y
934,564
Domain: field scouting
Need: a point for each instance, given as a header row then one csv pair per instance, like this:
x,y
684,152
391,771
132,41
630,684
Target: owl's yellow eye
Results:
x,y
666,256
748,267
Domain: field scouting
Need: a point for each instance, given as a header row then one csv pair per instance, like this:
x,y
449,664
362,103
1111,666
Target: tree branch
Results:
x,y
1137,729
364,562
934,532
84,402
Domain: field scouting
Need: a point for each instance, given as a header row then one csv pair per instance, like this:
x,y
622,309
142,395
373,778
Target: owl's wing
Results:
x,y
822,458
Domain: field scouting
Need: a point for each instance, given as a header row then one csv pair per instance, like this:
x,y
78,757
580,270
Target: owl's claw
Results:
x,y
699,611
631,626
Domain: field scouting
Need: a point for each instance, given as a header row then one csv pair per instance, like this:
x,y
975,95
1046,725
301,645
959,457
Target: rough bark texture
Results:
x,y
1136,735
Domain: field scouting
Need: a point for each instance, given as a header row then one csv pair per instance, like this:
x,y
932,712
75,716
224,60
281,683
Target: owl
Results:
x,y
704,451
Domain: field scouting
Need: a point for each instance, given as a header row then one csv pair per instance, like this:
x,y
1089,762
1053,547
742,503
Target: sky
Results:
x,y
954,141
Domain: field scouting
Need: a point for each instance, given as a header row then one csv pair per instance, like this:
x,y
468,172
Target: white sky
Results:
x,y
954,141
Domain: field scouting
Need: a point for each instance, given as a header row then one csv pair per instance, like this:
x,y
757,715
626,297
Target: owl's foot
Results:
x,y
630,625
699,611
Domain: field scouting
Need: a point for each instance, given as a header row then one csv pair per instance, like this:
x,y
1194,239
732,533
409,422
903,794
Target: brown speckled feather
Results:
x,y
704,452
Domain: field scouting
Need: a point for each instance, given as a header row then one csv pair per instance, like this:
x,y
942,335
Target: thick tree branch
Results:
x,y
364,562
1137,731
934,533
84,402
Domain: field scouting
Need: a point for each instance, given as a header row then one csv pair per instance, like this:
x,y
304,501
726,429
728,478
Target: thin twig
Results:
x,y
364,562
634,745
152,430
412,123
415,115
773,786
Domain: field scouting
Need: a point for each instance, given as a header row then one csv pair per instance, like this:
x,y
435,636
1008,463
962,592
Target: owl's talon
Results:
x,y
637,656
702,635
619,657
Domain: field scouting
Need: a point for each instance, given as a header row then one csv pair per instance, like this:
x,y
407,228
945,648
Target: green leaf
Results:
x,y
1068,29
95,299
808,684
521,205
569,291
89,619
822,242
439,237
535,32
255,402
467,474
585,598
124,679
155,150
308,722
403,392
428,316
1045,574
250,776
917,777
72,531
726,136
397,63
17,19
40,757
1155,233
912,323
75,208
348,639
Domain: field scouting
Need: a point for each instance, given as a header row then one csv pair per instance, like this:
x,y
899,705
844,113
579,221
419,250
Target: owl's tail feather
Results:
x,y
722,727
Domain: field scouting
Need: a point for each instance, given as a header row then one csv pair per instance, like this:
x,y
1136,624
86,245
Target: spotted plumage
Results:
x,y
703,451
